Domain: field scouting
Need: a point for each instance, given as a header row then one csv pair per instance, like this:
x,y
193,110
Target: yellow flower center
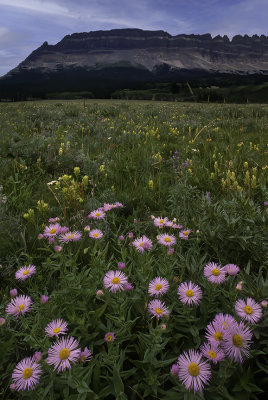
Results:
x,y
218,336
98,214
161,221
189,293
25,272
158,311
27,373
83,358
56,330
167,240
71,236
224,325
237,340
158,287
115,280
212,354
216,271
20,307
109,338
193,369
64,353
248,310
186,233
53,230
141,244
96,235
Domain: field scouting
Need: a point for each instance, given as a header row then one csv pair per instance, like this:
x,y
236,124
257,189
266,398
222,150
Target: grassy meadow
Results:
x,y
199,168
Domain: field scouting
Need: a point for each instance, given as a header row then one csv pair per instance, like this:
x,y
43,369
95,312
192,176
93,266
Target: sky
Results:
x,y
26,24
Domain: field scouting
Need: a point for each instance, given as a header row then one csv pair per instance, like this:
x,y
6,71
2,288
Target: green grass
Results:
x,y
157,159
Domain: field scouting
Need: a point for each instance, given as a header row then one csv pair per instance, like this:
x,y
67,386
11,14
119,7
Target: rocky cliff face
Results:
x,y
150,49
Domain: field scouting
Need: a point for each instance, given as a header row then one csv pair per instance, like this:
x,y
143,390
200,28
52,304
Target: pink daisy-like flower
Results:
x,y
63,229
215,333
237,341
51,220
158,286
25,272
107,207
225,321
249,310
115,281
142,244
160,222
85,355
212,352
20,305
193,372
52,230
109,337
26,374
97,214
157,309
214,273
189,293
185,234
177,226
70,237
169,224
166,240
64,351
56,328
231,269
95,234
118,204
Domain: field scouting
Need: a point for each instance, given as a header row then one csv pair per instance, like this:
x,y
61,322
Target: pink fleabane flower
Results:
x,y
158,309
115,281
231,269
225,321
249,310
64,351
237,341
142,244
184,234
97,214
166,240
56,327
189,293
107,207
109,337
214,273
52,230
26,374
212,352
70,237
215,333
85,355
25,272
193,372
95,234
20,305
160,222
158,286
51,220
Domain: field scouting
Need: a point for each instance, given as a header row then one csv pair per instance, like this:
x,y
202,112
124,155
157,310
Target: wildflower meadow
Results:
x,y
133,251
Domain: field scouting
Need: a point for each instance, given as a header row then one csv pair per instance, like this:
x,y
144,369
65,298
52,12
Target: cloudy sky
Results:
x,y
26,24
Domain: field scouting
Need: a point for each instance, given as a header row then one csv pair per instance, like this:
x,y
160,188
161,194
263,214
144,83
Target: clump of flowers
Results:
x,y
158,286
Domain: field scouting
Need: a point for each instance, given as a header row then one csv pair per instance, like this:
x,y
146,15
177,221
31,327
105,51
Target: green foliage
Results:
x,y
204,165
